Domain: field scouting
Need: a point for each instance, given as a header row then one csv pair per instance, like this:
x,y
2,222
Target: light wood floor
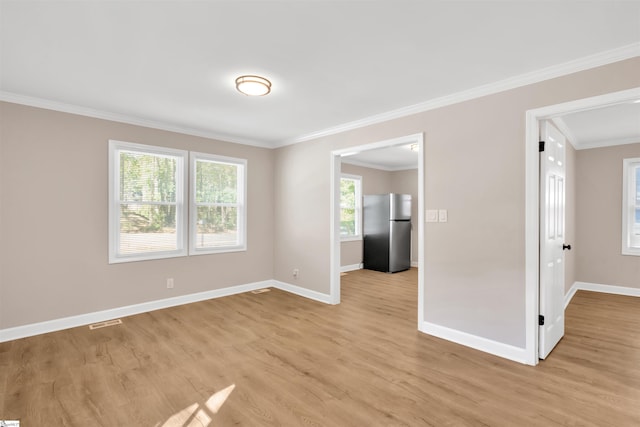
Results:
x,y
296,362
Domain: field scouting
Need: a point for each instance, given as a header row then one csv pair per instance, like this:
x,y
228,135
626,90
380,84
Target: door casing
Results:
x,y
532,207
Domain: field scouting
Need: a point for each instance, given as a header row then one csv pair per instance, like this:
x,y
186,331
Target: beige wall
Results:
x,y
599,218
570,219
53,220
474,167
474,157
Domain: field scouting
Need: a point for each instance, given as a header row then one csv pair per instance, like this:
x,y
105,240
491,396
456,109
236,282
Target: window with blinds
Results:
x,y
147,210
218,200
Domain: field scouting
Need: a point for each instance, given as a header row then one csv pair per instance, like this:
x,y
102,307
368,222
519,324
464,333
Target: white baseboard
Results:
x,y
100,316
496,348
414,263
352,267
569,296
303,292
607,289
32,329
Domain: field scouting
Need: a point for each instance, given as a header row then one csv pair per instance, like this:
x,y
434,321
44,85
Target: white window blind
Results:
x,y
147,210
218,204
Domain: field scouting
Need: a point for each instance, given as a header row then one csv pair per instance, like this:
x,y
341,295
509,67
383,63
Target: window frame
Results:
x,y
358,207
629,206
115,148
241,205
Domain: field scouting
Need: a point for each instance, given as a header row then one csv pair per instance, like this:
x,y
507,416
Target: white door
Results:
x,y
552,235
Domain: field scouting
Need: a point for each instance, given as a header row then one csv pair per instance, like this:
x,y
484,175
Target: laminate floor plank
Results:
x,y
276,359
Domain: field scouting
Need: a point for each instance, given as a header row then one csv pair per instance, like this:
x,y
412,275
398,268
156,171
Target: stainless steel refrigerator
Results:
x,y
387,232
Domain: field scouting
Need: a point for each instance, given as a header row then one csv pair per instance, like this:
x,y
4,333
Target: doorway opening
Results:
x,y
532,202
336,170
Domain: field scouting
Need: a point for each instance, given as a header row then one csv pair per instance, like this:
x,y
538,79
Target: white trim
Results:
x,y
414,264
181,180
240,205
145,307
496,348
566,131
608,143
607,289
562,126
334,229
421,199
569,296
532,237
351,176
124,118
303,292
352,267
629,241
596,287
581,64
24,331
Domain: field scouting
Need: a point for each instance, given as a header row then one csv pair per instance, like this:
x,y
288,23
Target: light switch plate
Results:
x,y
431,215
442,215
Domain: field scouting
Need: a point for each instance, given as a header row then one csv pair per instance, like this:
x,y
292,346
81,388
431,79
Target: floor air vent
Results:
x,y
260,291
105,324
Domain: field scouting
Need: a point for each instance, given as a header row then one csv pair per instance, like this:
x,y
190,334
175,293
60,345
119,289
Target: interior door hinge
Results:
x,y
540,320
541,146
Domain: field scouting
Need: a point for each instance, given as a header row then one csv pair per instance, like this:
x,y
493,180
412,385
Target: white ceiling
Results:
x,y
395,158
173,63
600,127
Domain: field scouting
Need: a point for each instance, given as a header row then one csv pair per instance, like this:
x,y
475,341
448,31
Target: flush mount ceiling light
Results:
x,y
253,85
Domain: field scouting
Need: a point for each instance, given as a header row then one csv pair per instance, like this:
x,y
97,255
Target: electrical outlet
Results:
x,y
296,273
170,283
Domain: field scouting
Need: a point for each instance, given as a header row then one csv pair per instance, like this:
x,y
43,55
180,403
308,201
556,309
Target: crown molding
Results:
x,y
581,64
608,143
559,70
123,118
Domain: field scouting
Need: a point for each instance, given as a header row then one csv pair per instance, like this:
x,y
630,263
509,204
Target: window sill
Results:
x,y
631,251
219,250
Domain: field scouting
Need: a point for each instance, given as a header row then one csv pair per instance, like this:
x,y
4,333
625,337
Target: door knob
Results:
x,y
566,247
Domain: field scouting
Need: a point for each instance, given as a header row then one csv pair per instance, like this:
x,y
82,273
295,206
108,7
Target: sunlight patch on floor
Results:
x,y
199,415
